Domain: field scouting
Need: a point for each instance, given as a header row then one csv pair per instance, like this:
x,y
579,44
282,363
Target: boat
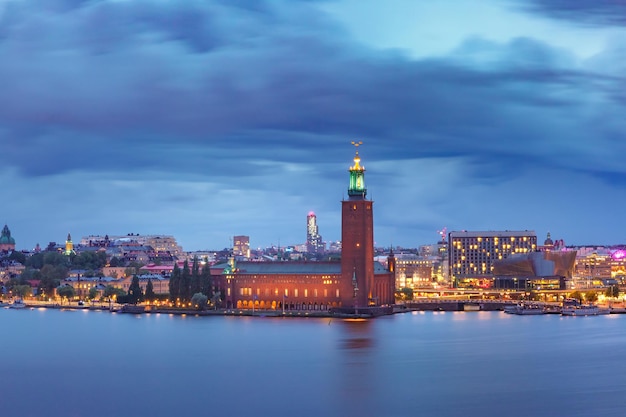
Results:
x,y
524,309
18,304
584,310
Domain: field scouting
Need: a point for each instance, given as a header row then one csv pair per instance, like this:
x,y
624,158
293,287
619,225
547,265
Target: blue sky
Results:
x,y
209,119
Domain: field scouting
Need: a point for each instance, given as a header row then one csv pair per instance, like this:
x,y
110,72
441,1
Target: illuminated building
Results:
x,y
471,254
546,270
69,246
7,243
241,246
159,243
357,283
361,286
600,266
314,242
413,271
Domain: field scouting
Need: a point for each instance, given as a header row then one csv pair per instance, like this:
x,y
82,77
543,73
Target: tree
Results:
x,y
206,281
35,261
51,276
115,262
22,291
612,291
18,257
135,294
66,291
199,300
93,293
196,279
216,299
405,294
54,258
577,295
110,291
89,260
185,283
175,283
150,295
591,296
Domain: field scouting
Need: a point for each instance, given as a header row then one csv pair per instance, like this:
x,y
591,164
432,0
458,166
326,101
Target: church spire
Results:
x,y
357,176
69,246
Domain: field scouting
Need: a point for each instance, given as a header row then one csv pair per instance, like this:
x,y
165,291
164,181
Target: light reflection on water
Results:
x,y
431,364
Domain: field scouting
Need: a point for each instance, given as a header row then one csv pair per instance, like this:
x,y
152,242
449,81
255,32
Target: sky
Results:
x,y
209,119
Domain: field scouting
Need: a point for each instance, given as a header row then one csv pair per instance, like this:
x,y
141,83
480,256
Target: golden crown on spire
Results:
x,y
357,158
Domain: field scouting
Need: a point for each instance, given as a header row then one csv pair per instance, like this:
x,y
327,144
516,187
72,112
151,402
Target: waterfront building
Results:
x,y
600,266
356,282
314,242
7,243
415,271
82,285
241,246
471,254
546,270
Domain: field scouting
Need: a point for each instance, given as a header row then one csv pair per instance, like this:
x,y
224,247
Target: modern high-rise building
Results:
x,y
241,246
314,242
471,254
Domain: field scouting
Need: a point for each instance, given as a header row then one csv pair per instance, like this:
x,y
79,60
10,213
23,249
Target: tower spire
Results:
x,y
357,176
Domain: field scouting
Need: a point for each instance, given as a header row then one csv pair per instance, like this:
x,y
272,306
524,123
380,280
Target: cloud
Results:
x,y
597,12
265,98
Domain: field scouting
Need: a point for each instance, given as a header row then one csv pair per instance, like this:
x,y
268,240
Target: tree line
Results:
x,y
186,282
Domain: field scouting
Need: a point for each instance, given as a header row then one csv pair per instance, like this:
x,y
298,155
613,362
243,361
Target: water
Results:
x,y
80,363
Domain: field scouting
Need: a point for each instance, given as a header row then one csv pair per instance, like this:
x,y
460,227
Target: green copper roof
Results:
x,y
5,238
357,178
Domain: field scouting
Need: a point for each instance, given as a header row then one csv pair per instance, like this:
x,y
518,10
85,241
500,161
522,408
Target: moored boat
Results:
x,y
18,304
525,309
583,310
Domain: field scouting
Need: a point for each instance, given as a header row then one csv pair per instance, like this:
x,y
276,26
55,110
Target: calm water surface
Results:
x,y
80,363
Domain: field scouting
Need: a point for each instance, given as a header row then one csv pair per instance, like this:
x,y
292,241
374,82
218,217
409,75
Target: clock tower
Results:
x,y
357,241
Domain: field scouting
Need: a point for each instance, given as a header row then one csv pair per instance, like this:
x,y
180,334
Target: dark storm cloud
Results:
x,y
601,12
171,85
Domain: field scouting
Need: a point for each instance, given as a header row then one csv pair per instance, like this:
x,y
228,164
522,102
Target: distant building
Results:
x,y
159,243
471,255
314,242
69,246
241,246
7,243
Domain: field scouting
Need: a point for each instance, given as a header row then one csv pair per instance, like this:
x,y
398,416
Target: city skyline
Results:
x,y
208,120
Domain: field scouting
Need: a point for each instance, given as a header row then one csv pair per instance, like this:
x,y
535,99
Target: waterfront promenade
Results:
x,y
416,305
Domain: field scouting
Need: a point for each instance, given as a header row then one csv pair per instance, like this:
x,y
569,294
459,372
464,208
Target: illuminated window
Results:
x,y
306,293
295,292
